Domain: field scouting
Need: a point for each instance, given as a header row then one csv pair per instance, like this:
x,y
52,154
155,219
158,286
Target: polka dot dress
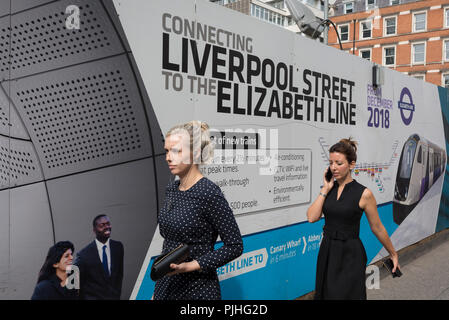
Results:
x,y
197,217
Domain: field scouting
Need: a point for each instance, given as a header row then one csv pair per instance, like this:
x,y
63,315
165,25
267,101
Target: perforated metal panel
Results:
x,y
30,237
156,133
10,122
83,117
41,41
4,47
4,114
5,247
20,5
4,7
18,163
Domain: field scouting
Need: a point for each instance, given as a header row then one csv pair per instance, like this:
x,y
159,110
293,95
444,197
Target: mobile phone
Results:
x,y
389,265
328,174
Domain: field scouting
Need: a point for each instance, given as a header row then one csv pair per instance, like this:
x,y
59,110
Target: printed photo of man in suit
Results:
x,y
100,264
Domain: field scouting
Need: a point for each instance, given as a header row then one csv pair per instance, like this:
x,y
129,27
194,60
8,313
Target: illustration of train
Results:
x,y
420,165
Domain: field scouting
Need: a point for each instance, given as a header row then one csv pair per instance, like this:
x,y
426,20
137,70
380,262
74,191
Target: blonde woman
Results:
x,y
195,212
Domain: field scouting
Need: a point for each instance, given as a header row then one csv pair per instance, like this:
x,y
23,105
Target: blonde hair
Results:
x,y
200,140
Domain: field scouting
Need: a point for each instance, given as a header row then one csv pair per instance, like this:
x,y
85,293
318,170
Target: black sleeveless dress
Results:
x,y
342,258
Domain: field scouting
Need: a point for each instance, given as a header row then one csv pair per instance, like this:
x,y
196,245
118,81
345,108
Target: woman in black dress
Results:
x,y
342,258
51,283
195,212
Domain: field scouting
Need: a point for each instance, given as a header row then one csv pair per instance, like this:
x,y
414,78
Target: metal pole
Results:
x,y
353,39
326,29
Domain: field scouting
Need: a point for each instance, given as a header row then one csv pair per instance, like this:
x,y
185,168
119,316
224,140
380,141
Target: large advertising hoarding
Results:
x,y
84,108
290,98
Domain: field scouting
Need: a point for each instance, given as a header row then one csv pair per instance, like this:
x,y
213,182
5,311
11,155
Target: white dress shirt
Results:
x,y
108,252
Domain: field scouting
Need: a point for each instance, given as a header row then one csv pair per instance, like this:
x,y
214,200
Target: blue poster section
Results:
x,y
443,214
281,263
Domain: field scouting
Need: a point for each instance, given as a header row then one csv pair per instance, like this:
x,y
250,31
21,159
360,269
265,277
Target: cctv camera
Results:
x,y
307,22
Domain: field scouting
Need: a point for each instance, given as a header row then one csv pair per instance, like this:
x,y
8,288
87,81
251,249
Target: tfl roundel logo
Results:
x,y
406,106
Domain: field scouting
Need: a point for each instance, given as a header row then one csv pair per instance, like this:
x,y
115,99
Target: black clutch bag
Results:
x,y
389,265
161,265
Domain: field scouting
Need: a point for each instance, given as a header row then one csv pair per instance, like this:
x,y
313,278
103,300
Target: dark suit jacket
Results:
x,y
50,289
94,283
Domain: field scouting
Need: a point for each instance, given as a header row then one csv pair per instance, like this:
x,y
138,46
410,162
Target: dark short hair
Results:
x,y
94,223
348,147
54,255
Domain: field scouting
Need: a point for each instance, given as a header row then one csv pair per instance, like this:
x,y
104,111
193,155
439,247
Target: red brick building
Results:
x,y
410,37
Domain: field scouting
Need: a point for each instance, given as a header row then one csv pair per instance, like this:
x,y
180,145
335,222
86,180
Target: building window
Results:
x,y
389,56
225,2
446,50
365,29
419,53
279,5
389,26
344,32
446,18
349,7
267,15
370,4
393,2
418,76
445,80
365,54
419,21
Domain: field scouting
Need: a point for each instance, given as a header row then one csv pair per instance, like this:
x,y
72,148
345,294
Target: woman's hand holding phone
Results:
x,y
328,179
